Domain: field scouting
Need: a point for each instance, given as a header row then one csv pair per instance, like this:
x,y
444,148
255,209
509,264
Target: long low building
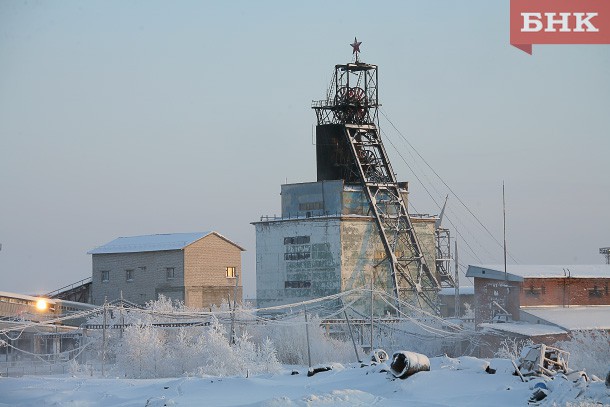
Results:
x,y
497,292
31,325
541,303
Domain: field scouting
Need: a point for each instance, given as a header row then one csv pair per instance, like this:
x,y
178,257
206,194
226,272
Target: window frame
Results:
x,y
129,275
170,275
105,274
233,270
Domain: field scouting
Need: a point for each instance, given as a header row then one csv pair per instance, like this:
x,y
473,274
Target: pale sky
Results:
x,y
127,118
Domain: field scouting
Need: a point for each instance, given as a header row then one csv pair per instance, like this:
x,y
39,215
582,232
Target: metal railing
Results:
x,y
68,287
30,367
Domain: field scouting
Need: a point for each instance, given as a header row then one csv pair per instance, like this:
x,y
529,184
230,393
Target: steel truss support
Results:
x,y
409,272
443,258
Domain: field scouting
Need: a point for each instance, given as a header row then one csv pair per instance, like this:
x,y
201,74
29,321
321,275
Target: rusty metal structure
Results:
x,y
349,147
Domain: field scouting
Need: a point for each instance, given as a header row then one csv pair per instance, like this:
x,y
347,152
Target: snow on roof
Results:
x,y
572,318
465,290
517,272
32,298
150,243
525,329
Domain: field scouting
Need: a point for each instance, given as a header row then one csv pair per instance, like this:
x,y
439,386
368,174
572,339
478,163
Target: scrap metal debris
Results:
x,y
543,360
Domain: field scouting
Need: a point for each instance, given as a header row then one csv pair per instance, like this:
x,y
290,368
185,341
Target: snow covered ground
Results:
x,y
450,382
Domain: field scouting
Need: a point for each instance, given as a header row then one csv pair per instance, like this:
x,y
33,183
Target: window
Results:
x,y
128,275
311,206
297,240
297,284
231,273
105,276
170,272
595,291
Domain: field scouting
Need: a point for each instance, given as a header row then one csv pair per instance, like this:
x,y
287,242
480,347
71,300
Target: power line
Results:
x,y
431,197
444,183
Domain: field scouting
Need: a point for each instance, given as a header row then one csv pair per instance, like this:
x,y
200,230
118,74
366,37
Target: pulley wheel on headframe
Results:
x,y
351,105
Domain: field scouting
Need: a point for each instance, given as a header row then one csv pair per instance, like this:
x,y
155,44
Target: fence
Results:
x,y
31,367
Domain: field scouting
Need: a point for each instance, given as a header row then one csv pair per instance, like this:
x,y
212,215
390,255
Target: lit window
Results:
x,y
105,276
129,275
170,272
231,272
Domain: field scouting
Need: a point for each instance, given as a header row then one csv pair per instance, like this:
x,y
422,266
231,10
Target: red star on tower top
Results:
x,y
356,47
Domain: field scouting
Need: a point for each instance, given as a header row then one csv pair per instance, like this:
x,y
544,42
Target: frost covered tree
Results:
x,y
511,348
589,350
139,344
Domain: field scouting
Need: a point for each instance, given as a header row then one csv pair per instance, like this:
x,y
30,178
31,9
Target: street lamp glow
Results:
x,y
41,305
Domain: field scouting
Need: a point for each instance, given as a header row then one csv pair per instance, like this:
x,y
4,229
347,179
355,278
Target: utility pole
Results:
x,y
457,284
234,308
307,337
104,340
504,216
371,313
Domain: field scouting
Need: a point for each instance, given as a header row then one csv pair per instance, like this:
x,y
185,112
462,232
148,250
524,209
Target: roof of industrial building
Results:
x,y
573,318
524,328
519,272
153,243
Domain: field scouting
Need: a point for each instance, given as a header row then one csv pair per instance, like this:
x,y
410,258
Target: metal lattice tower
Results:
x,y
347,120
605,251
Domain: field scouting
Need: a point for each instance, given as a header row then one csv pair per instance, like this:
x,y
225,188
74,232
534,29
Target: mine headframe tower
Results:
x,y
349,147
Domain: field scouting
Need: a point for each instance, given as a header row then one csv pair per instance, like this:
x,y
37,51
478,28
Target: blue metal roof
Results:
x,y
149,243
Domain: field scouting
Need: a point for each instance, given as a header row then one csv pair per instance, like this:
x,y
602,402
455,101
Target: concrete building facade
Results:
x,y
324,242
199,269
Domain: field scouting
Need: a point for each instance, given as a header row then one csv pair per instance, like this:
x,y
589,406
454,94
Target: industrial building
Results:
x,y
17,311
541,303
350,228
526,288
200,269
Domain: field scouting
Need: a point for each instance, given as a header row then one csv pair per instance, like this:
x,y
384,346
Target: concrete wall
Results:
x,y
288,271
363,261
424,229
205,277
149,276
312,199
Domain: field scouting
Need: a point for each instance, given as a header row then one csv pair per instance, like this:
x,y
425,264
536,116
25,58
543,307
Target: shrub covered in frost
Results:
x,y
143,350
290,340
510,348
589,351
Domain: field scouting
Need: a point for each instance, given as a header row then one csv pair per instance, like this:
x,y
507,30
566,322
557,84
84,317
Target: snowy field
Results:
x,y
450,382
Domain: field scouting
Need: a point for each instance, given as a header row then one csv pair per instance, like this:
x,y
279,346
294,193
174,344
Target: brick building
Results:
x,y
540,303
200,269
531,287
